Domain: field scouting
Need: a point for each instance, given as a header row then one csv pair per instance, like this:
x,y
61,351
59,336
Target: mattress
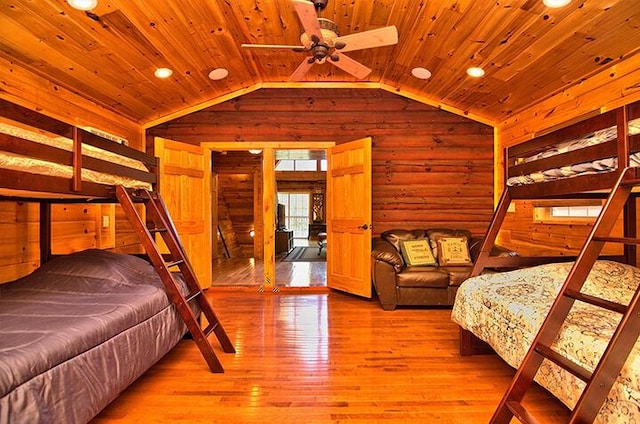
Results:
x,y
572,170
507,309
76,332
37,166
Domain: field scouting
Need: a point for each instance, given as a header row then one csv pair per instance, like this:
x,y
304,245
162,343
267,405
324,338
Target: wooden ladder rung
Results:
x,y
157,230
520,413
192,296
575,369
174,263
623,240
596,301
210,329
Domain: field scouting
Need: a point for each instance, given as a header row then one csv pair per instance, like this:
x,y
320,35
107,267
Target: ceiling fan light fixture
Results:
x,y
556,3
83,4
475,72
421,73
163,73
218,74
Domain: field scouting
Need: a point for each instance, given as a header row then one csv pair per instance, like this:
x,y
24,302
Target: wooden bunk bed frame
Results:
x,y
617,187
17,185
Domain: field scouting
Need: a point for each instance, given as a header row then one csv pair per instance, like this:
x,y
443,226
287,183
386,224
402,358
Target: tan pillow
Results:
x,y
453,251
417,252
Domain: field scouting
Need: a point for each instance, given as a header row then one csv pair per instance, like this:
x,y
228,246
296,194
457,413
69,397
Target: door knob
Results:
x,y
363,227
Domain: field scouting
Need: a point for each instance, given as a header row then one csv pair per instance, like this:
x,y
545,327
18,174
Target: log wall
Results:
x,y
605,91
431,168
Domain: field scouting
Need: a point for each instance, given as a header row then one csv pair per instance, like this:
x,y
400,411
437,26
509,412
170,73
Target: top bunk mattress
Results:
x,y
22,163
575,169
70,305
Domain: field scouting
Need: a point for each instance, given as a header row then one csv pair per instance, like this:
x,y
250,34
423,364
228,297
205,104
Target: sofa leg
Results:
x,y
388,306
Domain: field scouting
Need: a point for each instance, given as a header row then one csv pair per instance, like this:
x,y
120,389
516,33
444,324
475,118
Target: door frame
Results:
x,y
268,185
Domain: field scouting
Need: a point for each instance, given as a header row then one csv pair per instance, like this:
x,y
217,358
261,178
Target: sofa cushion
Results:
x,y
395,236
422,276
453,251
457,274
417,252
435,233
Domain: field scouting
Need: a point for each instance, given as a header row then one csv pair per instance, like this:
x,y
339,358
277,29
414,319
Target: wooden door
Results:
x,y
349,217
185,186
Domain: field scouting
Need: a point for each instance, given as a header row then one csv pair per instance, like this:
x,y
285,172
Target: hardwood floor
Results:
x,y
248,272
324,358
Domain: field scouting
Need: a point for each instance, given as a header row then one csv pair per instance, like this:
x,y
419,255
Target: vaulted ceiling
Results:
x,y
109,55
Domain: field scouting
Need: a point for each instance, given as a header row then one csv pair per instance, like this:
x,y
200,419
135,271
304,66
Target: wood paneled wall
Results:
x,y
605,91
75,227
431,168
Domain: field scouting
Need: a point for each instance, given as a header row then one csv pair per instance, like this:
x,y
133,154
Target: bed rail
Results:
x,y
562,148
75,186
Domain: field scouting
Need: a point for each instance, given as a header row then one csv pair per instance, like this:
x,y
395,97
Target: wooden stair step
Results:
x,y
521,413
623,240
575,369
192,296
596,301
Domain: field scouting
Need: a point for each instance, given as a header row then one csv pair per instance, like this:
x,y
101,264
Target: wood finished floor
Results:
x,y
248,272
324,358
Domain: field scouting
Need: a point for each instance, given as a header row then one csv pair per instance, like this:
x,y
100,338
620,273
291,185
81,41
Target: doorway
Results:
x,y
251,271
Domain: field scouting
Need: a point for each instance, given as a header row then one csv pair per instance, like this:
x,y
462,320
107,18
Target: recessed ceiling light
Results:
x,y
163,72
218,74
421,73
556,3
475,72
83,4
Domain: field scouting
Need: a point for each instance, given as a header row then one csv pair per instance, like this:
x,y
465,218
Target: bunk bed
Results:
x,y
83,326
505,311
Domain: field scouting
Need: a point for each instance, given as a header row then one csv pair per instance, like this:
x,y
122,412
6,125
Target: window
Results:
x,y
297,210
300,165
576,211
566,212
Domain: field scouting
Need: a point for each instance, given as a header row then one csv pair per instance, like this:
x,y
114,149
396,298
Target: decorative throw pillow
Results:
x,y
417,252
453,251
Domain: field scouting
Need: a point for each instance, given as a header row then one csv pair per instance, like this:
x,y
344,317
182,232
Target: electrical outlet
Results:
x,y
105,221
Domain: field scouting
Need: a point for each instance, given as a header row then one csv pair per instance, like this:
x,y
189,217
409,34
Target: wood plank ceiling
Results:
x,y
109,55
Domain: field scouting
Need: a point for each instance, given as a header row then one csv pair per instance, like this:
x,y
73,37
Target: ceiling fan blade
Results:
x,y
302,69
271,46
308,17
384,36
351,66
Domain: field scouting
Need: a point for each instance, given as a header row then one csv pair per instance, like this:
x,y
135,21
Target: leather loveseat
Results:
x,y
399,283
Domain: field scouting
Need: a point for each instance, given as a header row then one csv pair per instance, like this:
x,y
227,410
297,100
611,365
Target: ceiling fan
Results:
x,y
323,42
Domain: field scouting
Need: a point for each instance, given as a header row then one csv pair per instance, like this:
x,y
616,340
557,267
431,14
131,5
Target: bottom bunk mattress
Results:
x,y
507,309
78,331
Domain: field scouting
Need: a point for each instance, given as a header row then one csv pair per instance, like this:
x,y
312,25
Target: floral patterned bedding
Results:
x,y
571,170
507,309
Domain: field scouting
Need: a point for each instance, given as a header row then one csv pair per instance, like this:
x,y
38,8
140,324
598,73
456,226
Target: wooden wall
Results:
x,y
607,90
75,227
431,168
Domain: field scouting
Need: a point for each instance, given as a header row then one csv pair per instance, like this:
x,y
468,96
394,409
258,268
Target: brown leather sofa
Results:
x,y
396,283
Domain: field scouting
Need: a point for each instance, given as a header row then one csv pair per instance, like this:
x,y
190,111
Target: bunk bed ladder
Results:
x,y
599,381
159,217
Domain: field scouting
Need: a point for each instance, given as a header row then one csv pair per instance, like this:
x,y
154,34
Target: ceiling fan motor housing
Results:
x,y
329,32
320,4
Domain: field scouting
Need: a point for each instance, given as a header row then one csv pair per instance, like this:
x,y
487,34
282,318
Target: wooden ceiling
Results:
x,y
529,52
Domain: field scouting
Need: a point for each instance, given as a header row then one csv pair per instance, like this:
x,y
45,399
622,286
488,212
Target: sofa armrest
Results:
x,y
476,243
384,251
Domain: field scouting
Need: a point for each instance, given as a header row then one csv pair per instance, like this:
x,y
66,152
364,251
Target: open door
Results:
x,y
349,217
185,185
